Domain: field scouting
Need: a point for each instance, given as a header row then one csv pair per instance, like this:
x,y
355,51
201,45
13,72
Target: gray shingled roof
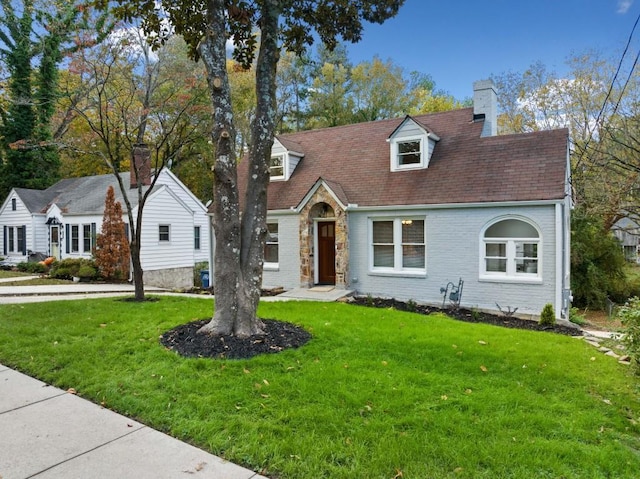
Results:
x,y
77,196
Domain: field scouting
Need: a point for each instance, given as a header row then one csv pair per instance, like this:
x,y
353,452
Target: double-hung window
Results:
x,y
276,167
271,254
398,245
196,237
75,238
163,233
511,250
407,153
86,238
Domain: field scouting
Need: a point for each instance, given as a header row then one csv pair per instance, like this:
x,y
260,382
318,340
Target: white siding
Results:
x,y
200,217
79,221
18,218
163,209
288,273
453,249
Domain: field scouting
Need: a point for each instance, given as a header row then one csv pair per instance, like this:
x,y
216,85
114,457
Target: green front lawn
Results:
x,y
12,274
375,394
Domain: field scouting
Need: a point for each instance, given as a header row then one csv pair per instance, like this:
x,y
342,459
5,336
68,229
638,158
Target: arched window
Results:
x,y
511,249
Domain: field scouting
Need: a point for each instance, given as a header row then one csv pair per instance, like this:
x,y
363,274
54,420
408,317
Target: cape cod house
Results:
x,y
63,221
404,207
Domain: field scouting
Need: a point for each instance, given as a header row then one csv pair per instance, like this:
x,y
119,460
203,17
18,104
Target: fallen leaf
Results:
x,y
468,391
200,466
103,325
246,371
265,381
398,474
444,397
484,369
592,358
71,391
482,342
384,363
607,401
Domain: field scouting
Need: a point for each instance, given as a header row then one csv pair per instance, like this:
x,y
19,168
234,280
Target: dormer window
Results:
x,y
276,167
409,153
411,146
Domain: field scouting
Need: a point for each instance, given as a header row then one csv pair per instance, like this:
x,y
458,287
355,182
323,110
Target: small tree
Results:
x,y
112,247
548,315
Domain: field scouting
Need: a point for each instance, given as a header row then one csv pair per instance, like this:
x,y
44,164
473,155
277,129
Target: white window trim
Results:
x,y
270,266
162,241
282,177
398,269
395,164
511,275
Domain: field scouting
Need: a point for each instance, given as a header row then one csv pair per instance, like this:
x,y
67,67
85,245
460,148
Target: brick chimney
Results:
x,y
485,106
141,161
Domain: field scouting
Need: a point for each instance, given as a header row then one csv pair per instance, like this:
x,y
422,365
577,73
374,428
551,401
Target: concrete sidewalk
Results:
x,y
48,433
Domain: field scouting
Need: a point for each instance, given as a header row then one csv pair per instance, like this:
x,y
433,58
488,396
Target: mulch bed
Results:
x,y
466,315
279,335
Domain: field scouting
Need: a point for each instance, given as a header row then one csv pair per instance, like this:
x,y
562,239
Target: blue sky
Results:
x,y
460,41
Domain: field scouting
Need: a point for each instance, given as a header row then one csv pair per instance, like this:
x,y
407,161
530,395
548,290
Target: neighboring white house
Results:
x,y
64,220
401,207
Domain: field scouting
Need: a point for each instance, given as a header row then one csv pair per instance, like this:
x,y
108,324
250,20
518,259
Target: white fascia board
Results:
x,y
455,205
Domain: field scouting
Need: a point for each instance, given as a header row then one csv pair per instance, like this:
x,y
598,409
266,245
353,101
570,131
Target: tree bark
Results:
x,y
239,259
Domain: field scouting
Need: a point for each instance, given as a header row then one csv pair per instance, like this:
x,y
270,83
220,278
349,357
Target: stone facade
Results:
x,y
170,278
323,206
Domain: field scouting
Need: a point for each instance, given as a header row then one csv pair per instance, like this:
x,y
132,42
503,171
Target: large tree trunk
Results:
x,y
239,244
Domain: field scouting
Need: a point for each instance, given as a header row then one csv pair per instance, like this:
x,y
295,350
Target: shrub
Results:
x,y
548,315
629,316
87,271
31,267
197,280
70,267
576,317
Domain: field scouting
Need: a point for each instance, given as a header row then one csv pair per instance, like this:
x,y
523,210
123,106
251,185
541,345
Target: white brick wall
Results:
x,y
288,273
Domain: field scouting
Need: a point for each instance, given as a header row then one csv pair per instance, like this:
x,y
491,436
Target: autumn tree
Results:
x,y
139,107
207,27
35,37
112,246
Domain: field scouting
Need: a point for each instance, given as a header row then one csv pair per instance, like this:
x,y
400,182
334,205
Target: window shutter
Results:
x,y
6,240
67,237
93,236
24,240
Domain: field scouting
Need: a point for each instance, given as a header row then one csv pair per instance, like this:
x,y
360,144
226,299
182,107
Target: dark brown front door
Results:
x,y
326,253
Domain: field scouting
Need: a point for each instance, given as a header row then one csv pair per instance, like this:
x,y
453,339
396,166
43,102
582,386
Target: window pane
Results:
x,y
271,253
496,265
511,229
413,256
271,246
409,153
163,232
383,256
383,232
276,166
413,231
526,250
527,266
497,249
75,231
86,238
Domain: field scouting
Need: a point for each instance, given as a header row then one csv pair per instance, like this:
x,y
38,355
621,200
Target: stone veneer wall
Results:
x,y
170,278
323,205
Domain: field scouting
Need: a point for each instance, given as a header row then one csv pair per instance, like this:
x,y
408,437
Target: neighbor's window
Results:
x,y
196,237
276,167
271,256
398,245
13,204
11,239
86,238
75,238
511,249
163,233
